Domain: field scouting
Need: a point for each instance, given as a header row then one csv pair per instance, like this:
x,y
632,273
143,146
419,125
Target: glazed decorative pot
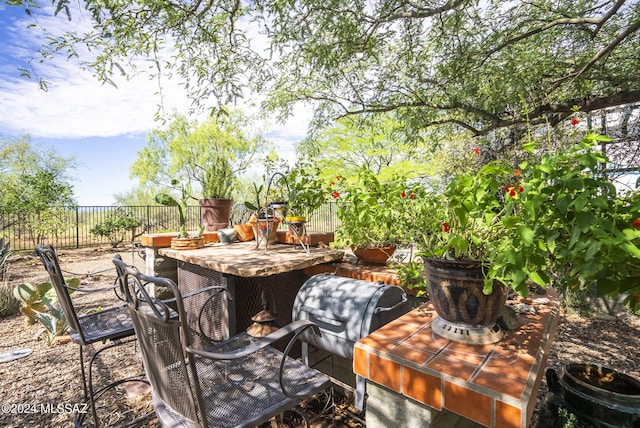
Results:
x,y
374,255
265,230
455,289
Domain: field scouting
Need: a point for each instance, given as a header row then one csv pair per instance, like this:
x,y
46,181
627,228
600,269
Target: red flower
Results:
x,y
335,195
636,223
507,188
445,227
512,192
574,121
412,196
476,150
517,173
403,194
520,189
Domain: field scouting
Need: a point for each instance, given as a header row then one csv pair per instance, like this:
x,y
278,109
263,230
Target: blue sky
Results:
x,y
101,126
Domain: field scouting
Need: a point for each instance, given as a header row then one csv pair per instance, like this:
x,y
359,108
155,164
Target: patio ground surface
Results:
x,y
51,375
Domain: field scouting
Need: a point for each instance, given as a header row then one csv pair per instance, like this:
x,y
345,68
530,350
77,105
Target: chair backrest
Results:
x,y
50,260
161,341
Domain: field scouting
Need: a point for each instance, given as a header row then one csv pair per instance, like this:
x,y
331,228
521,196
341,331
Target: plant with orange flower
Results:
x,y
557,221
373,212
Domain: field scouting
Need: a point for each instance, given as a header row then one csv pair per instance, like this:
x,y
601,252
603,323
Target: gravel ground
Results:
x,y
50,374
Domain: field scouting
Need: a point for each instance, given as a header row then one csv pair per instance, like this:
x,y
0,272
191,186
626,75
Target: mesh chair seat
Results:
x,y
240,392
108,324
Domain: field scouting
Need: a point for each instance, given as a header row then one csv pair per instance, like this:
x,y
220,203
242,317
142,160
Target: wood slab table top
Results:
x,y
244,259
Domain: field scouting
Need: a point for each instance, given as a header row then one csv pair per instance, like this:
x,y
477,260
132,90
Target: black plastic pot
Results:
x,y
591,396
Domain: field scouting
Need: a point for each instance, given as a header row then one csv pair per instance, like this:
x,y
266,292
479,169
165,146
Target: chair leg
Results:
x,y
84,378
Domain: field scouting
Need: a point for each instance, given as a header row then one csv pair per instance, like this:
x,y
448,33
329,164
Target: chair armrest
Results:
x,y
95,290
258,344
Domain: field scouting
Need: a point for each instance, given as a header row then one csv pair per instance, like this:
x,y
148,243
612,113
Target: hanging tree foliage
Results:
x,y
464,64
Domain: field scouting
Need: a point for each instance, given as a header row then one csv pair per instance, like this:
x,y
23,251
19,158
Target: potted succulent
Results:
x,y
184,240
217,183
372,214
554,221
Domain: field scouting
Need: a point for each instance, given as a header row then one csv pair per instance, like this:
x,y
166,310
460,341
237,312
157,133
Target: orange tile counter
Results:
x,y
489,385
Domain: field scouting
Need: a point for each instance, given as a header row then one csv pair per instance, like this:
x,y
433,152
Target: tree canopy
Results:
x,y
33,179
209,154
464,64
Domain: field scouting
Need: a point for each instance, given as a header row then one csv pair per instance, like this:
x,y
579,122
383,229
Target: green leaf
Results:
x,y
592,250
510,221
631,249
585,219
562,203
527,234
536,278
488,286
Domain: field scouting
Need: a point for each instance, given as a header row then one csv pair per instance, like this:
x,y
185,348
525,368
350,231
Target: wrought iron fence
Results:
x,y
70,227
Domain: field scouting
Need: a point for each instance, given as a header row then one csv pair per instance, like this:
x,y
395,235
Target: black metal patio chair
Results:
x,y
110,327
240,382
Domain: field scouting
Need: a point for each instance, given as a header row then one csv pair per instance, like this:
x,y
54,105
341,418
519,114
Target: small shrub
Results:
x,y
116,226
9,305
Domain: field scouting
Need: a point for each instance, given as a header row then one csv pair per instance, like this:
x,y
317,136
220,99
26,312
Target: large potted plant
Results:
x,y
217,183
557,221
372,214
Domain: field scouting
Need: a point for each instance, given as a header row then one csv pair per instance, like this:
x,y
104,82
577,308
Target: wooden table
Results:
x,y
244,271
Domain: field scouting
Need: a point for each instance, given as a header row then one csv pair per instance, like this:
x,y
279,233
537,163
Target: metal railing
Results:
x,y
70,226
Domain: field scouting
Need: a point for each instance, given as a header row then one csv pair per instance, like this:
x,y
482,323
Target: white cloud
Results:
x,y
76,104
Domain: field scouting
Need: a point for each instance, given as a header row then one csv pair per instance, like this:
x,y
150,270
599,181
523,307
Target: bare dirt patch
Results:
x,y
50,375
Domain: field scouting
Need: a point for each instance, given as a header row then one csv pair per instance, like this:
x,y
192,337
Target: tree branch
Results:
x,y
601,53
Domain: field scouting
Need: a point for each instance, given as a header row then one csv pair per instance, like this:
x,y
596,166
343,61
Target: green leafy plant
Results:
x,y
39,304
170,201
39,297
307,192
54,322
116,225
555,221
411,275
373,213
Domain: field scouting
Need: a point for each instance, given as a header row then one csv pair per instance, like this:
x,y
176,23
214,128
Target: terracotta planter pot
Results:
x,y
215,213
191,243
374,255
244,232
455,289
